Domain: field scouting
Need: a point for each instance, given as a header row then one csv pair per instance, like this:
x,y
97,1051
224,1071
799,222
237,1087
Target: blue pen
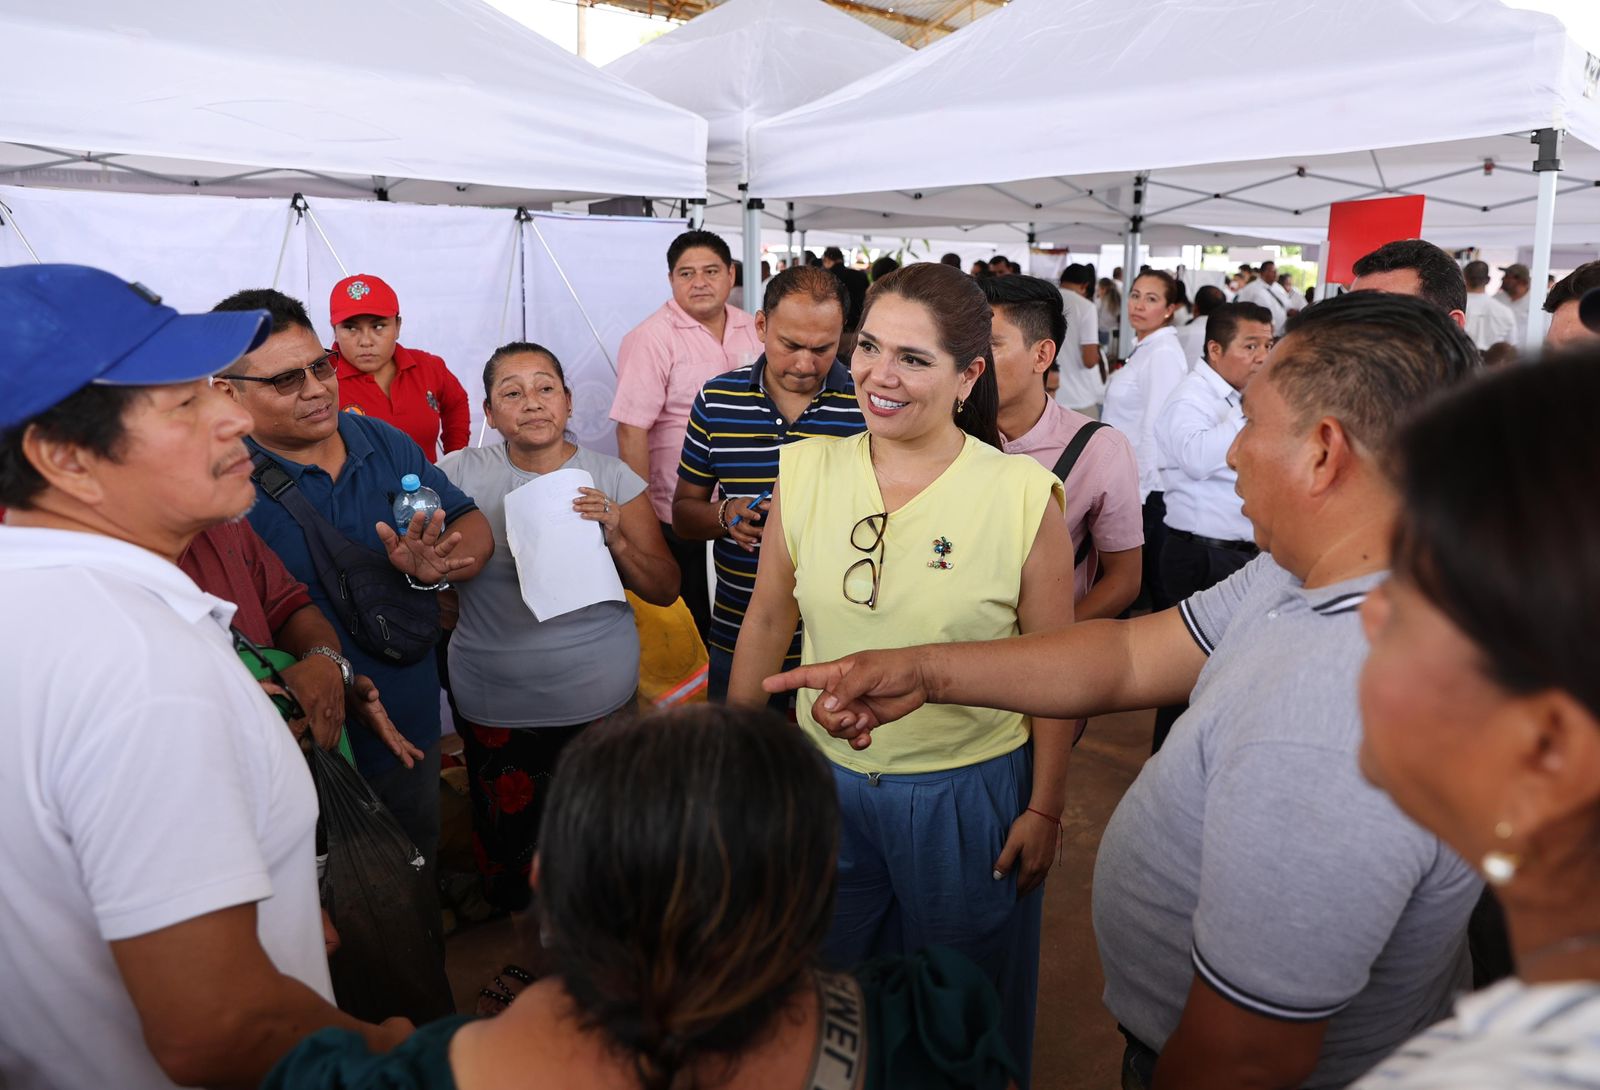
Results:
x,y
757,502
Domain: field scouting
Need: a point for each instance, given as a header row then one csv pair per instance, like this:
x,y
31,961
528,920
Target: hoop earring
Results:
x,y
1500,867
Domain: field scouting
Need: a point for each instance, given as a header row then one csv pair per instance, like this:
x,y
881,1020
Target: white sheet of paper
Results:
x,y
562,560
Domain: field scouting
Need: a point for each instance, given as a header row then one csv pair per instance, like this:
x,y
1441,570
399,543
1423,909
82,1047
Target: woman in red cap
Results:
x,y
379,377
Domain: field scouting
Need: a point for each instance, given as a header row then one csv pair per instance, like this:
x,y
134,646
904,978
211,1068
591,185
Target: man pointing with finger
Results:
x,y
1265,917
798,389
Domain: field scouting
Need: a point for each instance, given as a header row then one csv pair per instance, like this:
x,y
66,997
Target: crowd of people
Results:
x,y
948,524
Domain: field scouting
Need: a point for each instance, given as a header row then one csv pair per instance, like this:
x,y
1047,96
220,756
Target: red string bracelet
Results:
x,y
1048,817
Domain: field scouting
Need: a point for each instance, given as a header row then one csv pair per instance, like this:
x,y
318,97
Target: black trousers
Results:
x,y
1187,568
691,558
1152,593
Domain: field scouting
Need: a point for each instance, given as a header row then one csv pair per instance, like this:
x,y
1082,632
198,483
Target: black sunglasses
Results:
x,y
290,381
288,706
876,526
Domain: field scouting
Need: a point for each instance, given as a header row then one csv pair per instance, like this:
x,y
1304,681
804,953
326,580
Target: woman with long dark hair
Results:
x,y
920,529
684,888
1481,705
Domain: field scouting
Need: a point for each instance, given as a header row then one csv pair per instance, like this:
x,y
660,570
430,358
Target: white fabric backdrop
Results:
x,y
617,269
456,270
192,251
467,278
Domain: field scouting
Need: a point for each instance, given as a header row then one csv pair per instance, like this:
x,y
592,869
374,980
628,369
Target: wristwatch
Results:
x,y
343,663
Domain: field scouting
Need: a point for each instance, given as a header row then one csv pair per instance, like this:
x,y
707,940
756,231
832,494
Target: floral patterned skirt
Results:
x,y
509,772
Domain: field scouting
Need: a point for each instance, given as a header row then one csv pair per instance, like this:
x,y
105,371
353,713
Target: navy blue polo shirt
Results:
x,y
377,456
732,443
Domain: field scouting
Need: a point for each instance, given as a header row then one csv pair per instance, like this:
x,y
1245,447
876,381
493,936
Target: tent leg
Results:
x,y
1547,165
788,227
752,253
800,257
1130,264
697,213
10,220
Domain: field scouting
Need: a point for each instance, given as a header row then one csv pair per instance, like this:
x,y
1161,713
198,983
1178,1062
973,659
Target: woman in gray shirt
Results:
x,y
524,688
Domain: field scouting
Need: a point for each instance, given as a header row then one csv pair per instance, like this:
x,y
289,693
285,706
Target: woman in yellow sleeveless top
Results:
x,y
921,529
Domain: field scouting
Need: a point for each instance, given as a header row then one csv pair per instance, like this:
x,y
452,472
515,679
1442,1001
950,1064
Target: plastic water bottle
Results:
x,y
414,496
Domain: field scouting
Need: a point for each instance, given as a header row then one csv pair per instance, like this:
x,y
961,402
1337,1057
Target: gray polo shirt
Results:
x,y
1251,851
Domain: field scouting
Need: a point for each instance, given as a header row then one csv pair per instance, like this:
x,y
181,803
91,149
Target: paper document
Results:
x,y
562,560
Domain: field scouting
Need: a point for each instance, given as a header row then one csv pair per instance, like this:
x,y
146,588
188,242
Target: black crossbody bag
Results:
x,y
377,607
1063,469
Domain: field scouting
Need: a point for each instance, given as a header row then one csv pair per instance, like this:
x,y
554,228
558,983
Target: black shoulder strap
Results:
x,y
1074,451
280,487
1069,459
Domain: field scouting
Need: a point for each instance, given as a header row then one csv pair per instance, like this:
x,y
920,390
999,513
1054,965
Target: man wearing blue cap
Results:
x,y
158,890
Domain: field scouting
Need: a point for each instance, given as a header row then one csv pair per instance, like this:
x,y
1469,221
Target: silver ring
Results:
x,y
608,507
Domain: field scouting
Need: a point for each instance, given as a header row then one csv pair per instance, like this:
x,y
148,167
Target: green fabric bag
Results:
x,y
273,659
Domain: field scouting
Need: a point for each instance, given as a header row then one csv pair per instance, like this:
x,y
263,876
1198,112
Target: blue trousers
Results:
x,y
916,869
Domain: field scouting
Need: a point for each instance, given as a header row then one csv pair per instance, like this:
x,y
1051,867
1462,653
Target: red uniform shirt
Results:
x,y
423,396
231,561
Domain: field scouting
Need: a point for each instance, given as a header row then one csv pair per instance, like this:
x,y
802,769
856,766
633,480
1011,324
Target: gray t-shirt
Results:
x,y
509,669
1251,851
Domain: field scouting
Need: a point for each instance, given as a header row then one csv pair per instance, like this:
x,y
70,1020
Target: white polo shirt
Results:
x,y
1081,387
146,780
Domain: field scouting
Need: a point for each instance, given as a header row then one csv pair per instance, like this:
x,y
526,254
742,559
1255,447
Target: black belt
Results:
x,y
1216,543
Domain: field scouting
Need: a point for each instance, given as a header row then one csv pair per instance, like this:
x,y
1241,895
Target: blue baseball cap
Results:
x,y
64,327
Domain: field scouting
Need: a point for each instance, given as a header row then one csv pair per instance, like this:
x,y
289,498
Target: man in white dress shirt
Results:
x,y
1294,300
158,884
1514,284
1208,537
1489,321
1083,374
1263,291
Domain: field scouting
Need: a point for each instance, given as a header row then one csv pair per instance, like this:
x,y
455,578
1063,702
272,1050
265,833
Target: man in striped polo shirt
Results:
x,y
798,389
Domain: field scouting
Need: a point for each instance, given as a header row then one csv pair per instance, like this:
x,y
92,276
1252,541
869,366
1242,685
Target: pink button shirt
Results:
x,y
1102,489
661,366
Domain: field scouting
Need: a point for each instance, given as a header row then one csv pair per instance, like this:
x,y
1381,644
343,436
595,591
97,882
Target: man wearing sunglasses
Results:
x,y
158,889
349,467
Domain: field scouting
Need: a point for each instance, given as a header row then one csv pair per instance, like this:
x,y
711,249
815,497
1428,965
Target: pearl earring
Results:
x,y
1500,867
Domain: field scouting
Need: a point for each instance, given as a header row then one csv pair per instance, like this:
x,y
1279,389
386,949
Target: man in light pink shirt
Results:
x,y
662,364
1102,484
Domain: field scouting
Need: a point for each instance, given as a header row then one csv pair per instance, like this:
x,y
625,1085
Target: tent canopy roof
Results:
x,y
1441,85
428,99
747,60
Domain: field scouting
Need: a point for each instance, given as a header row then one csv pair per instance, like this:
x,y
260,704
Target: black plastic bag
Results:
x,y
390,959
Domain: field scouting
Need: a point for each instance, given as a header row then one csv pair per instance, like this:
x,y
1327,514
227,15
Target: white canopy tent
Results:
x,y
1397,96
745,61
415,100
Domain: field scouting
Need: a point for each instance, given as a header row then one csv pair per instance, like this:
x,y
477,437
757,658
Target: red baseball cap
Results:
x,y
362,294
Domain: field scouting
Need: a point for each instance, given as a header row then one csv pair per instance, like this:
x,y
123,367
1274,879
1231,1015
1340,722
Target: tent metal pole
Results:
x,y
1130,261
11,221
752,250
697,213
801,256
788,227
1548,166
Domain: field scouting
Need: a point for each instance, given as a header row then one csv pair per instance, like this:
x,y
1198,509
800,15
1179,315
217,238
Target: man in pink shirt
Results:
x,y
1102,480
663,362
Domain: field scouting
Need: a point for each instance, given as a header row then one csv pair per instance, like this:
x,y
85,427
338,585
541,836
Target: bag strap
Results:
x,y
840,1061
1064,466
280,487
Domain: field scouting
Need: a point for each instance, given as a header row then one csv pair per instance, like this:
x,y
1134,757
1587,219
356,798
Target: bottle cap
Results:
x,y
410,482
